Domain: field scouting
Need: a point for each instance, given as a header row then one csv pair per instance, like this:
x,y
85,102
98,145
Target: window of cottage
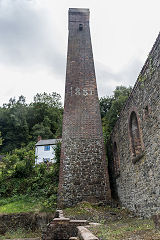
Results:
x,y
46,148
116,159
135,135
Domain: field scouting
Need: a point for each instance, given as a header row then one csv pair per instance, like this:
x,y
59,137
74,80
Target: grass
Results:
x,y
19,204
125,229
20,233
115,223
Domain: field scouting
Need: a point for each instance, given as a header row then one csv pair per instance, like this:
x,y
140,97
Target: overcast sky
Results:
x,y
33,43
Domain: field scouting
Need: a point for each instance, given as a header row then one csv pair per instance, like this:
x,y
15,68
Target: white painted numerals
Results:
x,y
85,92
81,92
78,91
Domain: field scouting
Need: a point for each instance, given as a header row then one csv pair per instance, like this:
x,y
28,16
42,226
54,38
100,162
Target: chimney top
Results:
x,y
78,15
39,138
79,10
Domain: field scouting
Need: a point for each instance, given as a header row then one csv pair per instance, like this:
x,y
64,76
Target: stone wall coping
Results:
x,y
85,234
25,214
15,214
24,239
79,221
62,219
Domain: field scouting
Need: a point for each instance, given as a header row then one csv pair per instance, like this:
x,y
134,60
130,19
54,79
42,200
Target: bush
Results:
x,y
22,176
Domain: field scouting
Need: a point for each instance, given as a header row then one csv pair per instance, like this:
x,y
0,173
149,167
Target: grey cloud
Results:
x,y
25,39
107,79
131,71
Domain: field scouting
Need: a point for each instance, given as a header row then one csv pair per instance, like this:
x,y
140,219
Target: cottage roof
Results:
x,y
47,142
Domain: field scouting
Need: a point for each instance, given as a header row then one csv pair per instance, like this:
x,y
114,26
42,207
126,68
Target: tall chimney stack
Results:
x,y
83,166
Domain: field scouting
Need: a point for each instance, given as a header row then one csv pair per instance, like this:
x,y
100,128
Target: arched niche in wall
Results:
x,y
116,160
134,130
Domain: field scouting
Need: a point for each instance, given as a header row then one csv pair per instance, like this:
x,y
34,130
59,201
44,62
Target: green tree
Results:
x,y
111,108
40,129
21,123
45,115
50,99
13,124
105,105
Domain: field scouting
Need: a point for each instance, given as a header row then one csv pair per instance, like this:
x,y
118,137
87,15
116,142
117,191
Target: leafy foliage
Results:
x,y
20,176
111,107
21,123
110,112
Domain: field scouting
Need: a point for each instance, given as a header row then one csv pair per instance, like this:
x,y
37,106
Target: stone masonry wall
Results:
x,y
27,221
138,184
83,168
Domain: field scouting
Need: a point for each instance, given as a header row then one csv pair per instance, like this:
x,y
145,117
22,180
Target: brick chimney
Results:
x,y
83,167
39,138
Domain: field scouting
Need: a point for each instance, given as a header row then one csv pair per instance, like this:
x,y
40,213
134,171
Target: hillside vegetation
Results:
x,y
25,186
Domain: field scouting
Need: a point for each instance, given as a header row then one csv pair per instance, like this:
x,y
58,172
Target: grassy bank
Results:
x,y
114,223
23,204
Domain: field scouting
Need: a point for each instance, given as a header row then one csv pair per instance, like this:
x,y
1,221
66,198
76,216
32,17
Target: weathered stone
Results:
x,y
137,185
85,234
27,221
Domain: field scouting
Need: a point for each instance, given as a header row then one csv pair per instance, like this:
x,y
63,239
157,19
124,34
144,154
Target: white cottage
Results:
x,y
45,151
